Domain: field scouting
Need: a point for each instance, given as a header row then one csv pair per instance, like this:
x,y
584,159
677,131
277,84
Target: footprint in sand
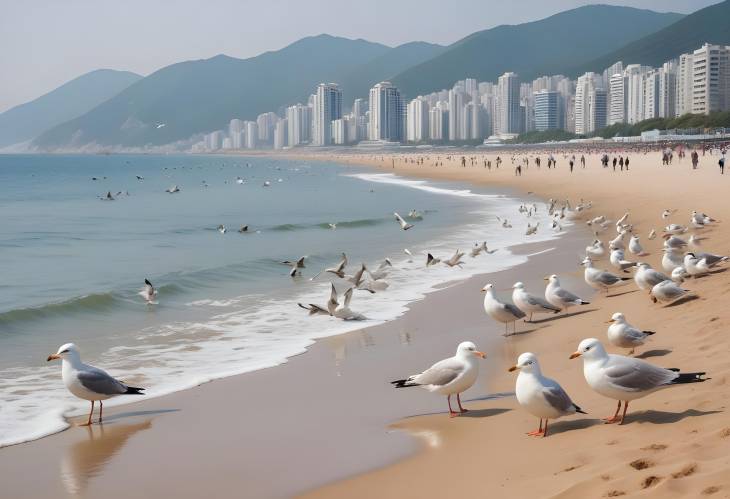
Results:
x,y
710,490
641,464
615,493
656,447
686,471
650,481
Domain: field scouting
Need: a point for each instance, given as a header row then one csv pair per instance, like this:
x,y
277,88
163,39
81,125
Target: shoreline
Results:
x,y
91,456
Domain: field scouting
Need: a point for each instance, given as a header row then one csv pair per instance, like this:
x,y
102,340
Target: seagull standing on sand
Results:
x,y
540,396
600,279
450,376
530,304
88,382
623,335
625,378
635,246
619,261
559,297
500,311
149,293
646,277
671,259
667,292
403,224
597,249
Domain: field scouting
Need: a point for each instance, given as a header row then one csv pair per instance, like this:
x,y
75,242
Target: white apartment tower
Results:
x,y
456,110
327,107
417,120
508,104
617,99
683,99
590,104
387,113
710,79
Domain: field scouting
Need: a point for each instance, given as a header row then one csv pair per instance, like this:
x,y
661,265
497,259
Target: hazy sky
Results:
x,y
44,43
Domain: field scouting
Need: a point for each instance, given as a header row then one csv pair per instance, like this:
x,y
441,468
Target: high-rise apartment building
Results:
x,y
327,107
387,113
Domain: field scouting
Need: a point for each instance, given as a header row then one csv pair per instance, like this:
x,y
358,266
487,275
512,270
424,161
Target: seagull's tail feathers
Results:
x,y
649,332
578,409
683,378
131,390
404,383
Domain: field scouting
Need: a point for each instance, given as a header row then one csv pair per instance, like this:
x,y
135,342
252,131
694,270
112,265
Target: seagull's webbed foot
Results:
x,y
612,420
453,414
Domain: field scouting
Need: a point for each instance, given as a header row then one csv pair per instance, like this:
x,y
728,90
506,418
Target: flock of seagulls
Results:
x,y
617,377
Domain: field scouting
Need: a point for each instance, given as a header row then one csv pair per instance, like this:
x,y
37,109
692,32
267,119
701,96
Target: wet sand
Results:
x,y
321,417
675,442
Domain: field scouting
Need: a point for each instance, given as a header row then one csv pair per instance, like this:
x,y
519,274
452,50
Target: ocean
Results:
x,y
73,262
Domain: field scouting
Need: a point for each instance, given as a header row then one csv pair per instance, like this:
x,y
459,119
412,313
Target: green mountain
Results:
x,y
199,96
548,46
689,33
70,100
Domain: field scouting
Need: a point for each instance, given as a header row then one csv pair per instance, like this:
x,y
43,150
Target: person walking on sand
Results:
x,y
621,162
571,165
721,162
614,163
582,161
695,160
626,163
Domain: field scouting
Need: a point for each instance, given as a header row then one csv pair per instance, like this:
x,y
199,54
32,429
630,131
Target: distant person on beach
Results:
x,y
695,160
721,162
621,162
614,163
571,165
626,162
582,161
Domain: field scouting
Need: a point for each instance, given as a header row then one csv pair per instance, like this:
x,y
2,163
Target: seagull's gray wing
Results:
x,y
556,396
634,375
654,277
440,374
98,381
514,310
348,297
607,278
537,301
565,295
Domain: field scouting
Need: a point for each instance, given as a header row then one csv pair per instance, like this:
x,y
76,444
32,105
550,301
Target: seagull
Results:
x,y
500,311
530,304
342,311
295,266
222,229
139,177
711,259
88,382
149,293
679,274
694,266
600,279
667,292
671,259
339,270
597,249
623,335
266,183
701,219
329,309
618,261
675,229
671,241
415,215
455,260
635,246
531,229
625,378
431,260
332,226
173,189
160,125
410,255
618,241
244,228
667,213
382,270
540,396
478,248
646,277
696,241
450,376
559,297
403,224
652,234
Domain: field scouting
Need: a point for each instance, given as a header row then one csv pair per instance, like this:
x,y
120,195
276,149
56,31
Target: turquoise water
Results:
x,y
72,264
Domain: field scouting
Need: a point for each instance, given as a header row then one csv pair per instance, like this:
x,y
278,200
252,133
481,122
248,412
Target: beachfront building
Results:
x,y
299,123
635,74
438,122
281,131
651,95
590,104
667,98
548,110
360,117
214,140
252,134
387,113
456,109
683,99
417,119
710,79
326,107
508,104
339,132
617,99
265,124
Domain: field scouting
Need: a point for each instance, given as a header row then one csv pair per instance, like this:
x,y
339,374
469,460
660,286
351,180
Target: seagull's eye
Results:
x,y
65,351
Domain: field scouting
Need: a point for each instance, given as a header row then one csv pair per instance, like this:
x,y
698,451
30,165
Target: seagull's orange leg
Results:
x,y
537,432
615,418
626,406
88,423
101,410
452,414
459,401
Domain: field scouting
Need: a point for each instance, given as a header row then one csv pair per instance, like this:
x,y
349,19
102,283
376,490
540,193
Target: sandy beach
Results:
x,y
322,421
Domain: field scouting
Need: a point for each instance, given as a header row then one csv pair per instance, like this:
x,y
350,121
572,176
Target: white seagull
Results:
x,y
625,378
646,277
623,335
600,279
530,304
559,297
403,224
500,311
88,382
450,376
667,292
540,396
149,293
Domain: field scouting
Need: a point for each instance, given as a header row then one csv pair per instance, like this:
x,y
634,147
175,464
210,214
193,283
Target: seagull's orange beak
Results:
x,y
53,357
513,368
480,354
609,321
574,355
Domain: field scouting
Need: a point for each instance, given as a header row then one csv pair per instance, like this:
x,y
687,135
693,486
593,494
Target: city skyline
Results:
x,y
45,56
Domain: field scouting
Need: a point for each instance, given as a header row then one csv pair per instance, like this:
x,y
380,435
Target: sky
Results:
x,y
45,43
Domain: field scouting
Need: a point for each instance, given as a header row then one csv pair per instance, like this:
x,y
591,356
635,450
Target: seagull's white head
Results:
x,y
590,348
617,317
518,285
467,349
488,288
587,262
526,362
552,279
67,351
